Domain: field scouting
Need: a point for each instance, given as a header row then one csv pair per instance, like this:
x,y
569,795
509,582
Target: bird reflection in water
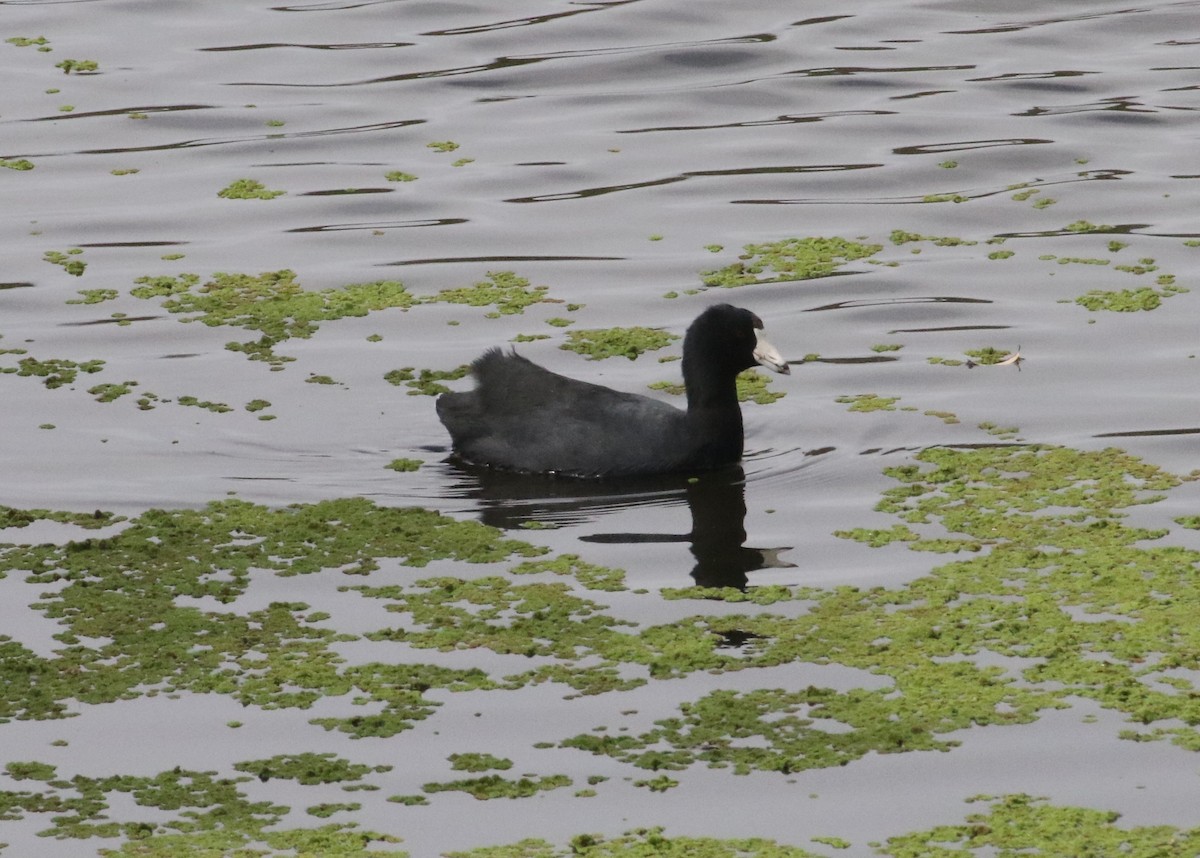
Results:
x,y
716,500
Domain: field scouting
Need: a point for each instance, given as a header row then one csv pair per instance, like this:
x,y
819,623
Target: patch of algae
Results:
x,y
617,342
1045,531
789,259
209,816
752,386
641,843
495,786
128,629
1024,825
274,305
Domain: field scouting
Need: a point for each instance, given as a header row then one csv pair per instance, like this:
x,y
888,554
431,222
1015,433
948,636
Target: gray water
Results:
x,y
609,145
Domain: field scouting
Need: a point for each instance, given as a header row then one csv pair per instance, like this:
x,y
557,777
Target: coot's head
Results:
x,y
726,339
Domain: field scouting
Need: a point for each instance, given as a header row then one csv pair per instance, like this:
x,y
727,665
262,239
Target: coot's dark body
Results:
x,y
525,418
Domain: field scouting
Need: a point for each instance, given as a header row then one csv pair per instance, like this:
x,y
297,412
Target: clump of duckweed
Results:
x,y
54,372
427,382
751,387
589,575
899,237
207,405
309,768
472,762
1128,300
1025,825
77,66
1043,538
495,786
272,304
94,296
617,342
130,627
641,842
18,164
189,814
399,176
248,189
789,259
1086,226
506,291
987,355
869,402
111,392
74,267
405,465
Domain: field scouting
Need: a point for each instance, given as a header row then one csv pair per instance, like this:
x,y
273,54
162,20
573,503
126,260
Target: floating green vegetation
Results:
x,y
947,417
19,164
948,165
1144,266
111,392
899,236
442,146
495,786
1001,254
1044,202
1044,528
641,843
869,402
462,162
1000,431
789,259
207,405
1128,300
987,356
94,296
271,303
190,814
131,171
426,382
309,768
129,628
560,322
248,189
255,405
320,379
662,783
589,575
529,338
1082,260
405,465
74,267
751,387
1024,825
398,176
1086,226
945,198
77,66
617,342
508,292
12,517
54,372
326,809
472,762
886,347
26,42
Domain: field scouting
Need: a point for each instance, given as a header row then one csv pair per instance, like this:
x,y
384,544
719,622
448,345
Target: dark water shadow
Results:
x,y
716,500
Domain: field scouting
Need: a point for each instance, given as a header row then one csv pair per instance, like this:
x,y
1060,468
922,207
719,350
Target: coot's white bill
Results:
x,y
767,355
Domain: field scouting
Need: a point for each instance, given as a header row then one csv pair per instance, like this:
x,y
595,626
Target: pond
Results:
x,y
250,603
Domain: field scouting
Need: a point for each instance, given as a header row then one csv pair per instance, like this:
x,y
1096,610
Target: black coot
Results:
x,y
522,417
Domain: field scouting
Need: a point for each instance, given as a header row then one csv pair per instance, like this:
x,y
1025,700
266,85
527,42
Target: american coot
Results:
x,y
522,417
